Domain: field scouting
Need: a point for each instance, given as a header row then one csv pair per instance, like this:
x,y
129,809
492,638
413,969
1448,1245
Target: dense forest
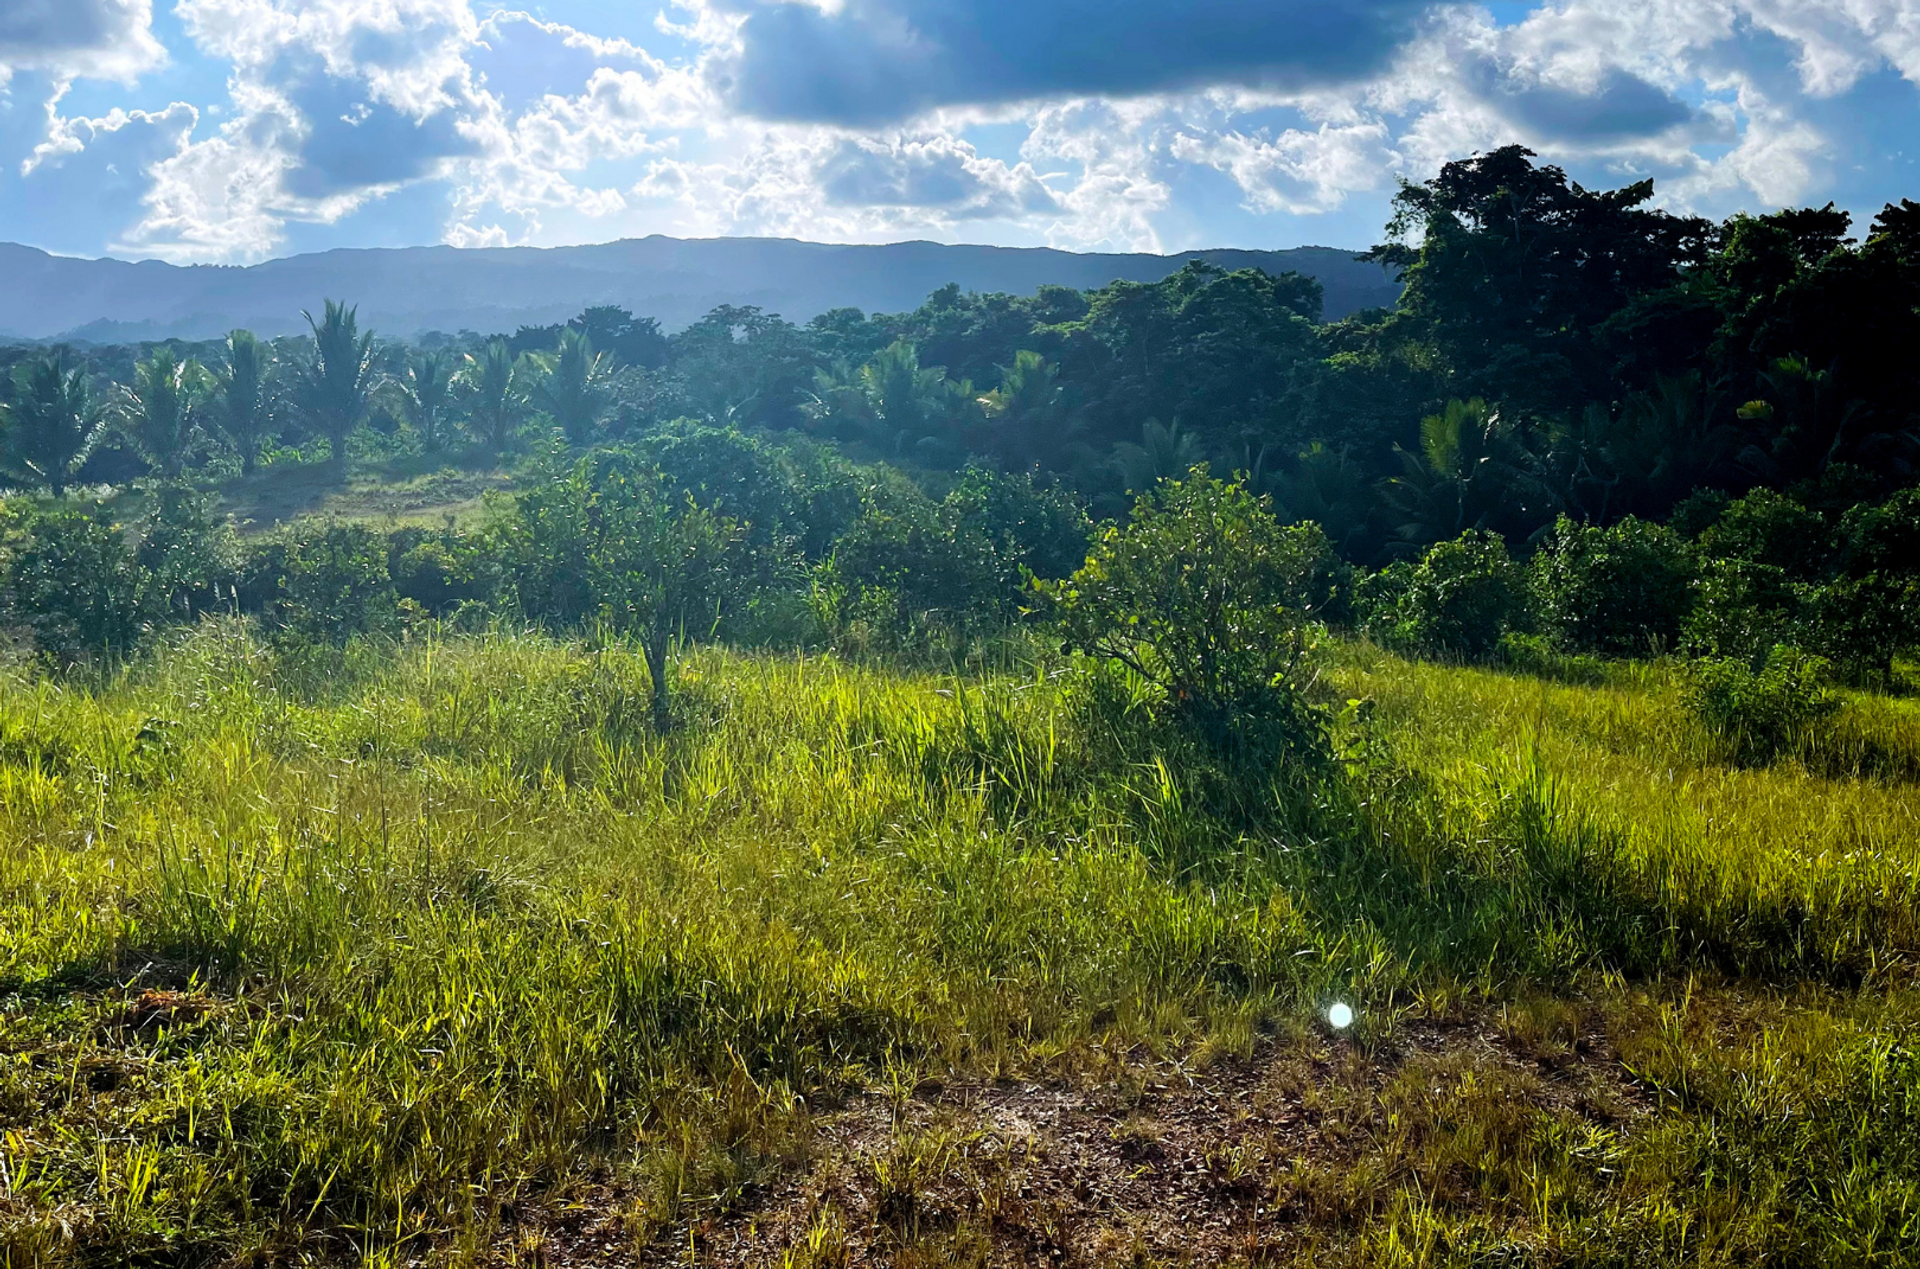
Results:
x,y
1139,776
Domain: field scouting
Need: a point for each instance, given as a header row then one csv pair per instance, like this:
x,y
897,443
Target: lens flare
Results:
x,y
1341,1016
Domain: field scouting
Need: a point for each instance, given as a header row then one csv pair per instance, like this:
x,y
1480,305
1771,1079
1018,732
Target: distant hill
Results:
x,y
409,290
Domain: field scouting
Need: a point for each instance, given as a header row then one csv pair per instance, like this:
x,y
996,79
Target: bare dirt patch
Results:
x,y
1235,1162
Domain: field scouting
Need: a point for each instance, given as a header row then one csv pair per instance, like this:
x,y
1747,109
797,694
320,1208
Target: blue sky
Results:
x,y
229,131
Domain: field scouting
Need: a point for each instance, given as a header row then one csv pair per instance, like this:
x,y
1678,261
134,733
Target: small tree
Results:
x,y
160,413
73,583
610,541
242,389
574,389
338,378
1206,595
51,423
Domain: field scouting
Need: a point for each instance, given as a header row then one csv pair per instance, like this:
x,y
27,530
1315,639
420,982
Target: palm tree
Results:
x,y
494,381
243,396
574,388
1027,421
1164,453
423,391
336,382
160,413
51,423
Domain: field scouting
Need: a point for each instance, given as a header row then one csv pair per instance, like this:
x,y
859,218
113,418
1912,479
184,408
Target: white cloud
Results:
x,y
79,39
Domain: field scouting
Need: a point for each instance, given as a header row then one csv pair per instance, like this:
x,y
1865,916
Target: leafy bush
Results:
x,y
1761,713
1207,596
444,570
1625,590
189,558
1743,608
1461,597
1770,529
1536,655
1870,612
337,584
614,542
73,585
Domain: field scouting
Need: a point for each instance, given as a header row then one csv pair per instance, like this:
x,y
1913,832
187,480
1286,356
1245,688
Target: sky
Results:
x,y
231,131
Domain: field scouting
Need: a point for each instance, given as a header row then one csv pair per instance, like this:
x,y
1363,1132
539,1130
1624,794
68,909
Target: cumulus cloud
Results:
x,y
95,39
874,61
935,173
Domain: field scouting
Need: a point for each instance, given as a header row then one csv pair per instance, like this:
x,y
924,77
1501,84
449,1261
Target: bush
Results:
x,y
1761,713
1625,590
189,558
337,584
1870,612
442,571
1770,529
1457,601
1208,597
73,585
1742,608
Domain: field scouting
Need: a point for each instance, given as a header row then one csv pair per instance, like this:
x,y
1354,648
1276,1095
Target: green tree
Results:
x,y
160,413
1207,596
494,384
242,393
610,541
50,422
338,378
74,585
423,390
1165,451
337,584
574,388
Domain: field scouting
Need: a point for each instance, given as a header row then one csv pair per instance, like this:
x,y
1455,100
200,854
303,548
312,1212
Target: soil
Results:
x,y
1150,1164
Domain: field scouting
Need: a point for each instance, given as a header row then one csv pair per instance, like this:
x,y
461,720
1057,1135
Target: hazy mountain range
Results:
x,y
408,290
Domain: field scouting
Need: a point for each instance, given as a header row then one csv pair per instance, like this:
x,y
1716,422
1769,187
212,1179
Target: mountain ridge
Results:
x,y
407,290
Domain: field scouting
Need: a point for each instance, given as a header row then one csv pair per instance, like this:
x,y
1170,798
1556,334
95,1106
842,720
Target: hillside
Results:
x,y
409,290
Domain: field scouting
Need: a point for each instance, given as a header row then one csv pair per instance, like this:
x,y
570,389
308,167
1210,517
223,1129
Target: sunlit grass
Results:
x,y
447,924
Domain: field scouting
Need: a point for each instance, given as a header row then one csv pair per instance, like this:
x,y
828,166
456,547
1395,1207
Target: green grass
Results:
x,y
348,957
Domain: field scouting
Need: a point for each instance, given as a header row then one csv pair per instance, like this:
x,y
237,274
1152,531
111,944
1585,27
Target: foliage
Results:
x,y
188,556
610,540
1623,590
1761,713
161,412
241,394
335,382
50,421
72,584
1208,597
494,385
1458,601
425,390
336,584
572,387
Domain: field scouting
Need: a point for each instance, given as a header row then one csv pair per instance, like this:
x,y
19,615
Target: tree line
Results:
x,y
1588,423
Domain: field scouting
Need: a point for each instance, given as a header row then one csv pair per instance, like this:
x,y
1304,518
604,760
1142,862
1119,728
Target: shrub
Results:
x,y
1624,590
337,584
1761,713
1207,596
1742,608
613,541
444,570
1770,529
188,557
1870,612
73,585
1457,601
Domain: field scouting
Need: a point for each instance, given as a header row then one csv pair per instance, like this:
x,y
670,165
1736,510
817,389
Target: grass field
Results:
x,y
436,954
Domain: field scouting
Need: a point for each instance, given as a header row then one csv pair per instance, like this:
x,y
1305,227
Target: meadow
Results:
x,y
433,951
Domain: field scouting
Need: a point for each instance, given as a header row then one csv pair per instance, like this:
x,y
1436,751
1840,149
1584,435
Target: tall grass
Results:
x,y
341,954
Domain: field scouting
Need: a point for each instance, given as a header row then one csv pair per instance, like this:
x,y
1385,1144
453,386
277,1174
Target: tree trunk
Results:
x,y
655,647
